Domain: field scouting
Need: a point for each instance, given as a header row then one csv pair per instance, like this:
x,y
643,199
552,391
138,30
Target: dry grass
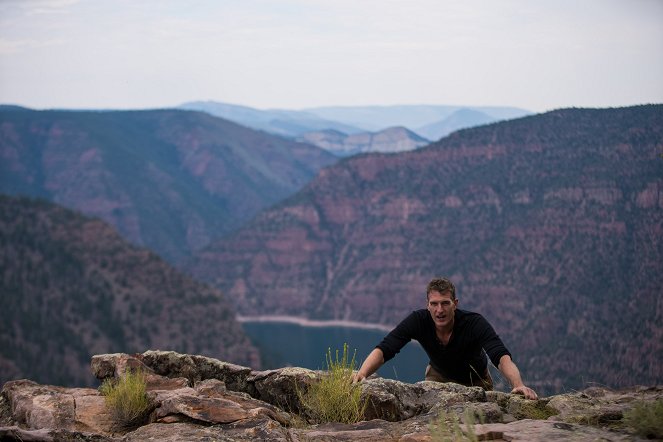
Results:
x,y
334,398
126,399
646,418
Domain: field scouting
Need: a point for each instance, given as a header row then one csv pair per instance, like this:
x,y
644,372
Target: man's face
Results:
x,y
442,308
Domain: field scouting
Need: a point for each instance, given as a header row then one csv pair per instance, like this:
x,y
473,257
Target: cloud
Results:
x,y
12,46
48,6
285,53
9,47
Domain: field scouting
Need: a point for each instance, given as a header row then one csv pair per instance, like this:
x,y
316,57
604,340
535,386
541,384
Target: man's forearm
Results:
x,y
511,372
373,361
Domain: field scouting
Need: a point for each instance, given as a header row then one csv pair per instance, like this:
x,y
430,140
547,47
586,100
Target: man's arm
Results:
x,y
388,347
510,371
373,361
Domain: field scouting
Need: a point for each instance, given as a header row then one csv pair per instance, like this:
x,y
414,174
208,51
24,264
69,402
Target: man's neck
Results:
x,y
445,331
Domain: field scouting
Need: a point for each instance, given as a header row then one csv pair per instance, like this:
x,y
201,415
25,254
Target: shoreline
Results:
x,y
304,322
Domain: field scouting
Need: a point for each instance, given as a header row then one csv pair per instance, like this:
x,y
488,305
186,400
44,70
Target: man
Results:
x,y
456,342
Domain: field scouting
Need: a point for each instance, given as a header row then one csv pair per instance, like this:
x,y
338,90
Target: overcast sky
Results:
x,y
538,55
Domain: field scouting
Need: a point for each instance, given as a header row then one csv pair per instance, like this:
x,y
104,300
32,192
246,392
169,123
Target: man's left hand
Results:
x,y
525,391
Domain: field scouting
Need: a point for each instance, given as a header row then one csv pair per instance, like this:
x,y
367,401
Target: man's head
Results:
x,y
442,286
442,302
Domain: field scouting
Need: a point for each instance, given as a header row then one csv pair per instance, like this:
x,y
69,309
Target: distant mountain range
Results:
x,y
427,121
72,287
460,119
393,139
414,117
171,180
551,226
287,123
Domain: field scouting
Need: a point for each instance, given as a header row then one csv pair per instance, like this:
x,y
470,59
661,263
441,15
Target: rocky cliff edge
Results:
x,y
196,398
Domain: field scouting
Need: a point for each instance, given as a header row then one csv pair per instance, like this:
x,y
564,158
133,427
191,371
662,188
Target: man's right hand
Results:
x,y
373,361
357,377
525,391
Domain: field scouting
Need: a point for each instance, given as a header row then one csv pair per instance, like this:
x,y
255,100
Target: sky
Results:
x,y
293,54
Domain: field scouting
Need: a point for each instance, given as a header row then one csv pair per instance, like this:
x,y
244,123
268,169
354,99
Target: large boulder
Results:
x,y
396,401
283,387
600,406
196,368
116,366
210,402
37,407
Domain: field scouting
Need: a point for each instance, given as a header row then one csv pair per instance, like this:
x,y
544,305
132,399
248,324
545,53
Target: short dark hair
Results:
x,y
441,285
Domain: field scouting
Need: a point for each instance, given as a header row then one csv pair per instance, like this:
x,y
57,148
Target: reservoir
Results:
x,y
284,344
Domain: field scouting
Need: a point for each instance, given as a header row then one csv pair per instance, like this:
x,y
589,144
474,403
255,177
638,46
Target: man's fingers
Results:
x,y
525,391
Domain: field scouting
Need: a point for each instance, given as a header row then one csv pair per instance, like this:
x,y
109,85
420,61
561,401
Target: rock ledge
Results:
x,y
198,398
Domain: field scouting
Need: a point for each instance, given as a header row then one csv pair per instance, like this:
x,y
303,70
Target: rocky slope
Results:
x,y
393,139
170,180
71,287
550,225
200,399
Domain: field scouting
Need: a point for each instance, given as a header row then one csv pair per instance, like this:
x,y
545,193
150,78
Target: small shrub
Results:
x,y
334,398
126,399
646,418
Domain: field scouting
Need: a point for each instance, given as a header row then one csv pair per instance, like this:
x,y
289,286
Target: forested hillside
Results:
x,y
71,287
170,180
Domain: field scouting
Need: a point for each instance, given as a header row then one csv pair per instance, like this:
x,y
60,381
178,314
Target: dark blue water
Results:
x,y
285,344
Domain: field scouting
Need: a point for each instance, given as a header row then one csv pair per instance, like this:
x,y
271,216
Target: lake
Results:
x,y
284,344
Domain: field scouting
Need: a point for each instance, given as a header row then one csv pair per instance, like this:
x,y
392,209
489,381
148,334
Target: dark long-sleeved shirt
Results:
x,y
463,358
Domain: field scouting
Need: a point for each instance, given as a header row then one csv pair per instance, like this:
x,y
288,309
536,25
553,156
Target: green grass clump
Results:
x,y
127,399
334,398
646,418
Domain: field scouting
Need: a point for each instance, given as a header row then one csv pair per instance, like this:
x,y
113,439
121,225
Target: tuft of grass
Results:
x,y
127,399
447,427
646,418
334,398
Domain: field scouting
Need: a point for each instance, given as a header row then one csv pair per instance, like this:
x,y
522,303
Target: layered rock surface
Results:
x,y
196,398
